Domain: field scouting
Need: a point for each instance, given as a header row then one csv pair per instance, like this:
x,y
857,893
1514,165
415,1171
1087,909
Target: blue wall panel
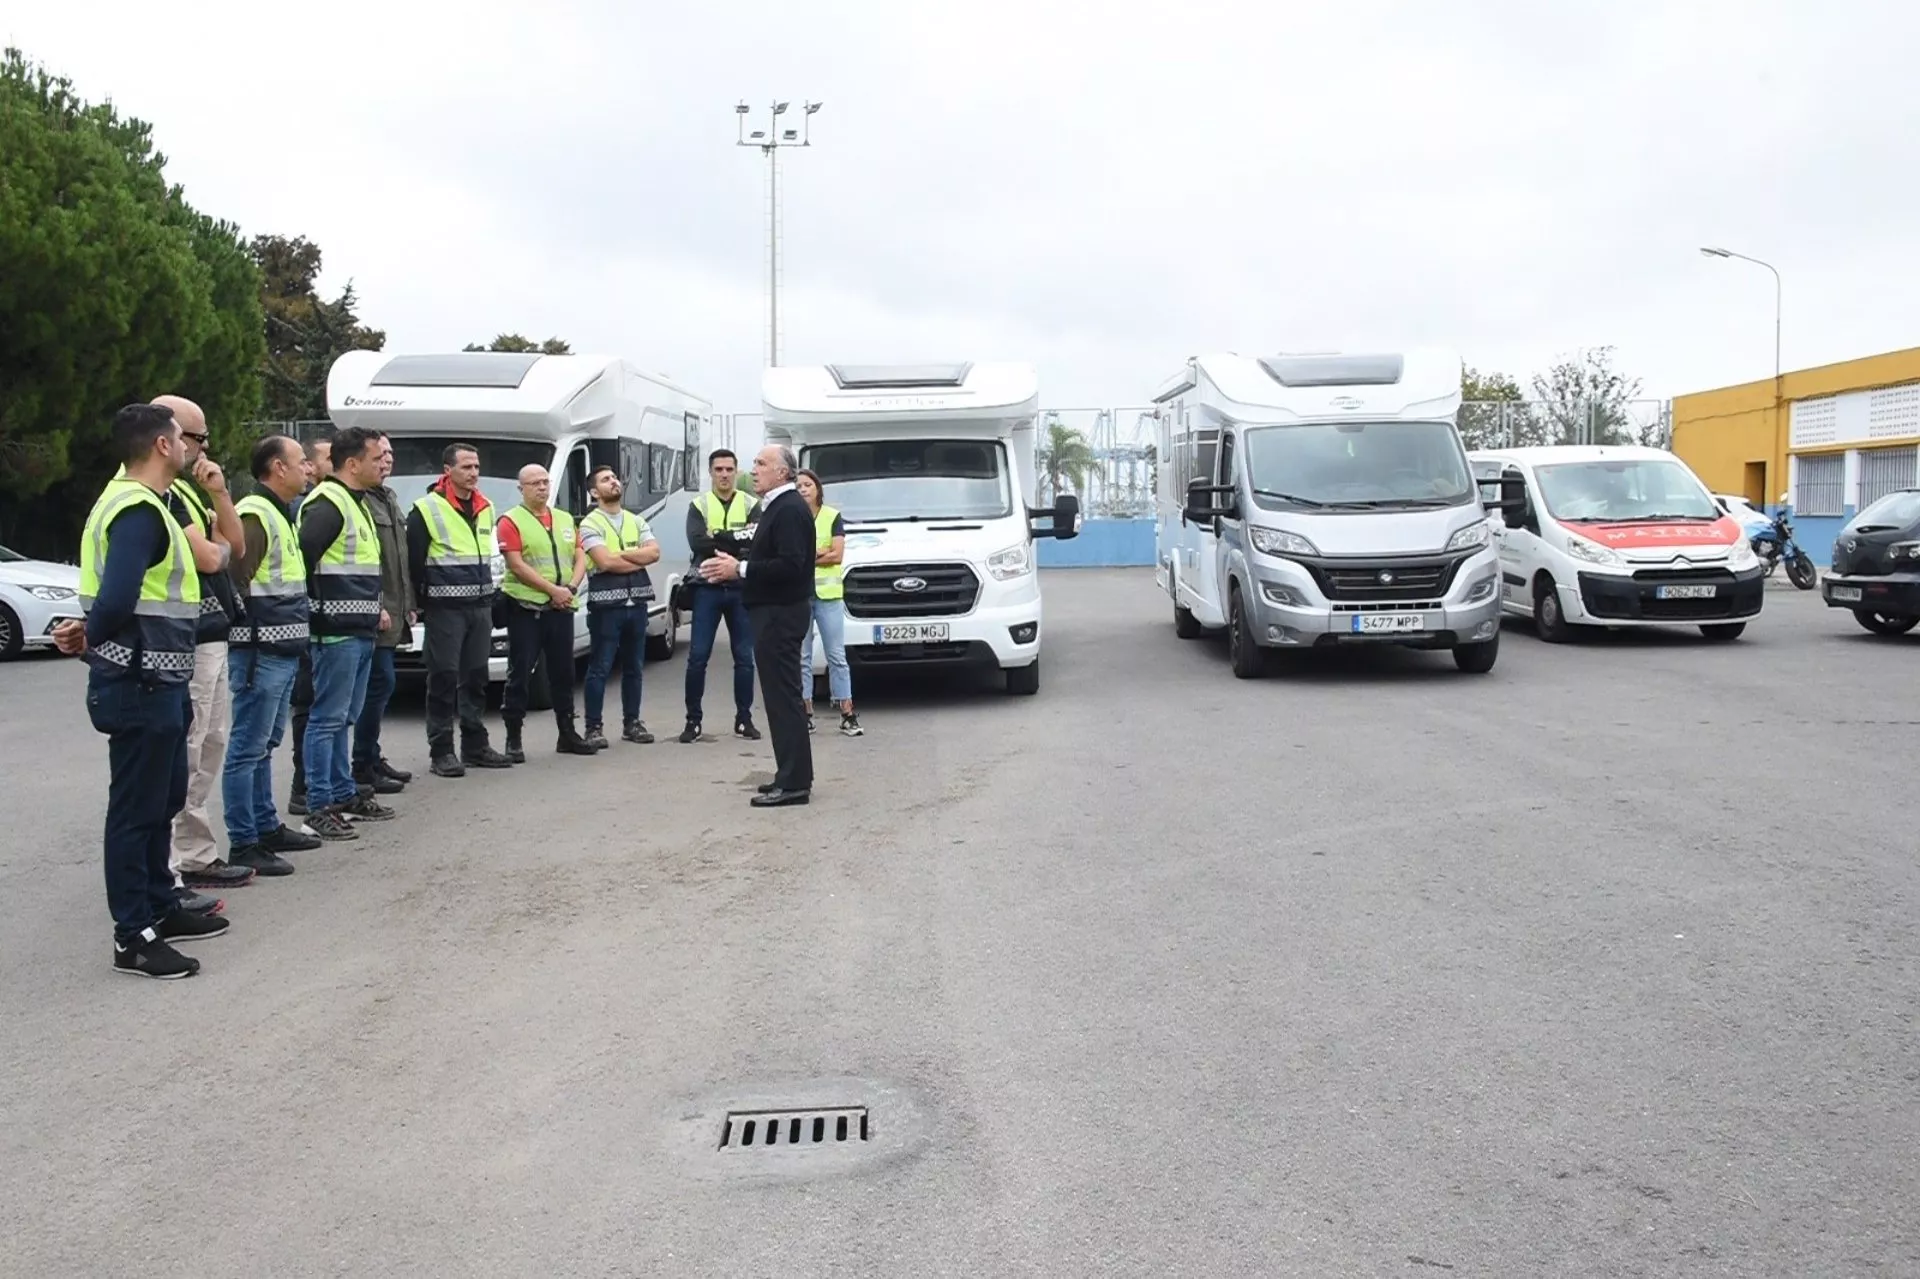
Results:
x,y
1102,544
1816,533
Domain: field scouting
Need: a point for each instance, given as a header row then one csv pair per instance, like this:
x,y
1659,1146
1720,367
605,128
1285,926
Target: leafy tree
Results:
x,y
114,289
514,342
305,332
1585,400
1065,455
1495,412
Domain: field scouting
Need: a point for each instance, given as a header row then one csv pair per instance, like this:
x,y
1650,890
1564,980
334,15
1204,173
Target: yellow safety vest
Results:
x,y
617,590
722,517
158,642
826,577
344,587
548,552
276,619
459,555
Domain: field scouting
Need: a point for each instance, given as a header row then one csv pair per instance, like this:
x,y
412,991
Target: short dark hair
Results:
x,y
717,454
598,471
352,442
451,454
137,427
269,450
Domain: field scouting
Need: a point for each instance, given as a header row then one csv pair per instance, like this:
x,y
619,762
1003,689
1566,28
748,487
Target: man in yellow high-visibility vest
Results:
x,y
720,522
546,569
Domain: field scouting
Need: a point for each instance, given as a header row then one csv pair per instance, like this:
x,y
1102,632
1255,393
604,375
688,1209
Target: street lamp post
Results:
x,y
770,140
1779,389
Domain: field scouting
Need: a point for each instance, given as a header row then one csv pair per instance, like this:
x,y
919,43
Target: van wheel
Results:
x,y
1185,624
1024,680
11,640
662,647
1548,621
1247,657
1477,659
1723,630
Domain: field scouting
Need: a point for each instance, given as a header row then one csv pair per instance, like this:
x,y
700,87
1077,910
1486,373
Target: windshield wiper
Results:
x,y
1649,519
1296,499
1374,502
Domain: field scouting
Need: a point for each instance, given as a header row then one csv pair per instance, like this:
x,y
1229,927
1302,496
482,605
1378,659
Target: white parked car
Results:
x,y
35,595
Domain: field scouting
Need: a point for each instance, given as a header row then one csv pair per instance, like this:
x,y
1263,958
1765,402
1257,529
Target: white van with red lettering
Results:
x,y
1619,535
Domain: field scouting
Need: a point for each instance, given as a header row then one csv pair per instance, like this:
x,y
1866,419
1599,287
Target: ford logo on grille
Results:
x,y
1385,577
908,585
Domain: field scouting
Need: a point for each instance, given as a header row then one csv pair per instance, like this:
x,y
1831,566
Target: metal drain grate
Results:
x,y
775,1129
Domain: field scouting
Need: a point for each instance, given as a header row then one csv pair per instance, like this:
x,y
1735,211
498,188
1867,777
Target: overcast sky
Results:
x,y
1055,182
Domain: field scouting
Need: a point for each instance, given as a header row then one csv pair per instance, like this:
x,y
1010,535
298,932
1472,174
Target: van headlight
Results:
x,y
1592,552
1471,538
1277,541
1015,561
1740,555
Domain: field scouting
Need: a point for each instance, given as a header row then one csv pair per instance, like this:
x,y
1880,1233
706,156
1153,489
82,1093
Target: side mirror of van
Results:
x,y
1207,502
1507,495
1064,517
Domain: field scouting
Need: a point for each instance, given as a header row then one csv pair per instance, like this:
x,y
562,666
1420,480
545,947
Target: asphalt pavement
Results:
x,y
1605,963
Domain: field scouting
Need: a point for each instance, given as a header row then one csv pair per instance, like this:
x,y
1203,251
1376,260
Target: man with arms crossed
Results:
x,y
621,546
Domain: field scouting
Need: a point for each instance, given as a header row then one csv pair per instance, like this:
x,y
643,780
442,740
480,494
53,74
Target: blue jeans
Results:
x,y
618,634
831,617
146,730
340,671
710,604
366,725
262,687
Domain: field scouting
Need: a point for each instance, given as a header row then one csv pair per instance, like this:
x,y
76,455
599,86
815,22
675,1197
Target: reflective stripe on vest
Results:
x,y
826,577
216,589
617,590
343,589
459,554
158,641
547,551
276,604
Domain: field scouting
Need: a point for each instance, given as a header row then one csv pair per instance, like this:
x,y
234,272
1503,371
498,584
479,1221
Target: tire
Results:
x,y
1878,623
1024,681
1477,659
662,647
1248,658
1548,621
1723,631
1185,624
12,640
1802,573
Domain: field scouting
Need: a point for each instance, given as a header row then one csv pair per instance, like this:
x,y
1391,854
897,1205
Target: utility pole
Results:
x,y
770,140
1780,433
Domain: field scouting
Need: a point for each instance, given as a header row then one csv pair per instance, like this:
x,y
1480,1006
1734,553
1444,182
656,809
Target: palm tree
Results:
x,y
1065,455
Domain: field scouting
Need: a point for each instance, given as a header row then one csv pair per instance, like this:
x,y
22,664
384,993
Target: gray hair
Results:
x,y
789,462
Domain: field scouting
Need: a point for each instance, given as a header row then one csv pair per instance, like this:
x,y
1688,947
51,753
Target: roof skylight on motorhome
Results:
x,y
1334,370
501,370
875,377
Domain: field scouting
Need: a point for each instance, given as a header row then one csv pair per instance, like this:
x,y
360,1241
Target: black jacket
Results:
x,y
780,559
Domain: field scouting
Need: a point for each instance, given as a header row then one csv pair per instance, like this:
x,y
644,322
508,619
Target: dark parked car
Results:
x,y
1876,565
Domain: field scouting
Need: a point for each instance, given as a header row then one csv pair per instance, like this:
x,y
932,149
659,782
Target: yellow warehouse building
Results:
x,y
1836,438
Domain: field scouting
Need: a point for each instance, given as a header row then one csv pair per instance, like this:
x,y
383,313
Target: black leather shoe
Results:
x,y
779,798
485,757
767,788
448,765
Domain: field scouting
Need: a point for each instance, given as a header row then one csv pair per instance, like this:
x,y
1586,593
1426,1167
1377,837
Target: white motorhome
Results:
x,y
1312,500
570,414
931,466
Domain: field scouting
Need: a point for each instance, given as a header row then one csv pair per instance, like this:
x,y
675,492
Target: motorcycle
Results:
x,y
1775,546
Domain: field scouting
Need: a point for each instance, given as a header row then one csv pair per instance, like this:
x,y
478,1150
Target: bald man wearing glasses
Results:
x,y
546,568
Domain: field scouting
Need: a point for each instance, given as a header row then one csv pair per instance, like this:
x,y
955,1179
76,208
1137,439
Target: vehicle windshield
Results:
x,y
417,466
1358,465
1894,511
1614,490
883,480
11,557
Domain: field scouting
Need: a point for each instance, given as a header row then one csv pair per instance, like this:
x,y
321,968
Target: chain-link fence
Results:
x,y
1524,423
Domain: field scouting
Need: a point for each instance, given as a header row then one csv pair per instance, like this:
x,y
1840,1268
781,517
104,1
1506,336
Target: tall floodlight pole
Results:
x,y
1779,389
770,140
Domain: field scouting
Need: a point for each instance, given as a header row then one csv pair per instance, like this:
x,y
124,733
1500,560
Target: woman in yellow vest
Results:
x,y
829,609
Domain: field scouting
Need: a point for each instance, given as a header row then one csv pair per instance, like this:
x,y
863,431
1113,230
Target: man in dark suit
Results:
x,y
777,582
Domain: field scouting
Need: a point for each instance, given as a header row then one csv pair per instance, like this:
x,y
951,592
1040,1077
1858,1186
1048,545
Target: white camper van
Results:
x,y
570,414
1312,500
931,466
